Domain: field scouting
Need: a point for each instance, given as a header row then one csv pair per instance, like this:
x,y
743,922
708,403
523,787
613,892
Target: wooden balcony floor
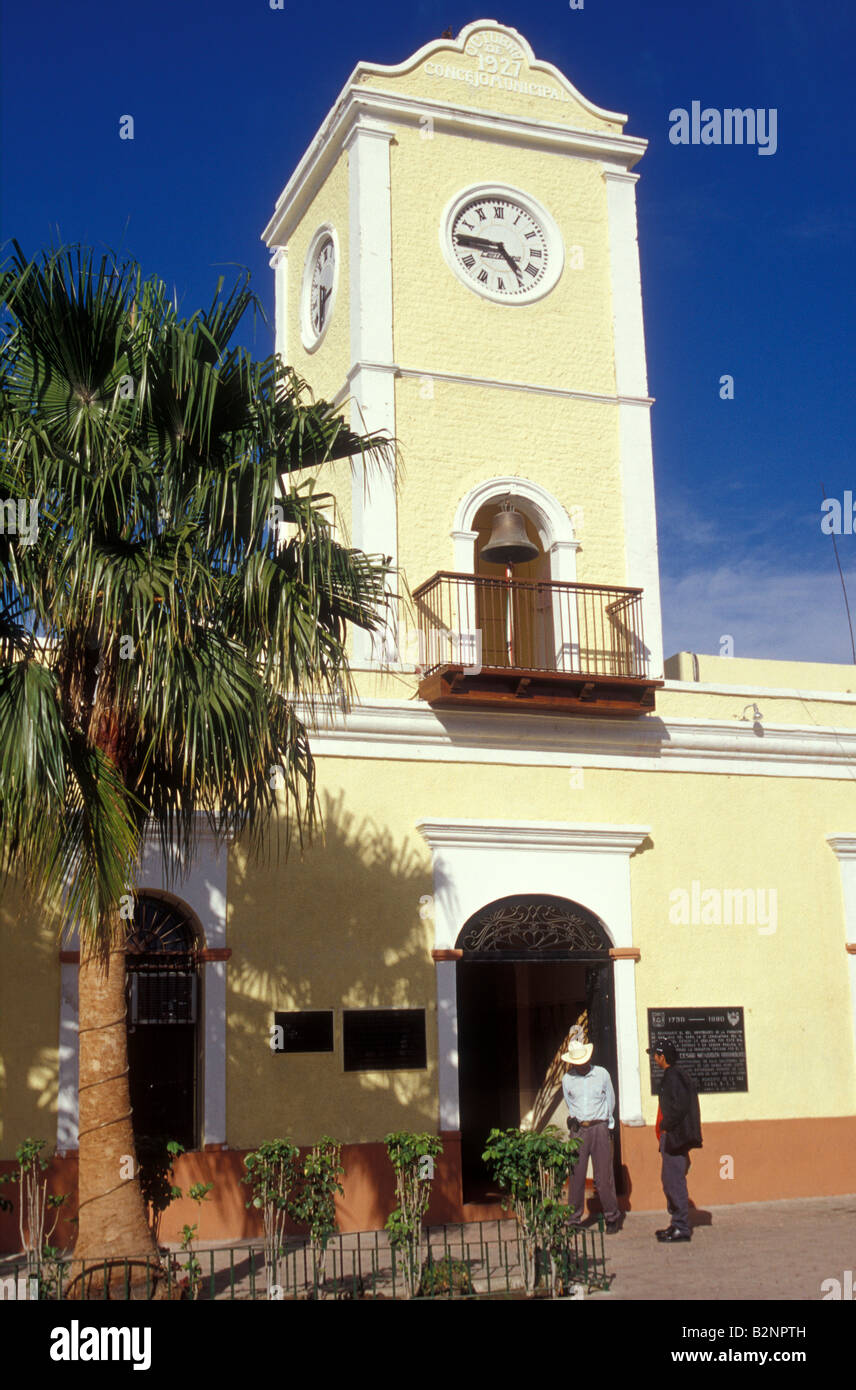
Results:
x,y
561,692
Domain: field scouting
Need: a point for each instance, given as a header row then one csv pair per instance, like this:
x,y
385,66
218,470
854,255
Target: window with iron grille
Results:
x,y
310,1030
162,996
384,1039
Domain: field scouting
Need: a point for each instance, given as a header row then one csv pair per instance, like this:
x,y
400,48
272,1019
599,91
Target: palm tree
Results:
x,y
158,633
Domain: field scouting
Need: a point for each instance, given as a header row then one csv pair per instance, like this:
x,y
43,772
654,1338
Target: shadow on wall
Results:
x,y
346,924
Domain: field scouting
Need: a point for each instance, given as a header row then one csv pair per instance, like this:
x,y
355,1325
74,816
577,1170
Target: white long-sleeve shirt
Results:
x,y
590,1096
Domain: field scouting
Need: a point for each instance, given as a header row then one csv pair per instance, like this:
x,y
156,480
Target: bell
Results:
x,y
509,543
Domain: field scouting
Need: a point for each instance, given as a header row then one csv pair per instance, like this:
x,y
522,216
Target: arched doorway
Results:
x,y
163,997
532,969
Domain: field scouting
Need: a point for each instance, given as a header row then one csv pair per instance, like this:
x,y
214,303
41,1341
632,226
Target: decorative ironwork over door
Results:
x,y
533,926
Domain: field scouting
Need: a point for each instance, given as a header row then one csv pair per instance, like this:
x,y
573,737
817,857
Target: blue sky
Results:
x,y
747,260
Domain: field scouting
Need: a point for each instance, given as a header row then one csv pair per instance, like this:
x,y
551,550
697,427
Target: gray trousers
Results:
x,y
674,1179
594,1141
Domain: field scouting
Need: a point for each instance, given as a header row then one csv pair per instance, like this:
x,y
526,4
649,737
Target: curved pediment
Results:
x,y
491,67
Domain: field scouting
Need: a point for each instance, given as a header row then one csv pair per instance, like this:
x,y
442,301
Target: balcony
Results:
x,y
534,645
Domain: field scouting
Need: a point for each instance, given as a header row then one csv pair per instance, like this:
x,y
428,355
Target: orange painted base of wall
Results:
x,y
770,1160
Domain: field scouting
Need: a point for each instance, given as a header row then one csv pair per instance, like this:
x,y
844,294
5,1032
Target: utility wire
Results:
x,y
843,586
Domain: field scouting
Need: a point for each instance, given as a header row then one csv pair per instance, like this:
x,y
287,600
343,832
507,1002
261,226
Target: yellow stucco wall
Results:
x,y
345,925
568,447
777,675
345,928
29,1022
563,340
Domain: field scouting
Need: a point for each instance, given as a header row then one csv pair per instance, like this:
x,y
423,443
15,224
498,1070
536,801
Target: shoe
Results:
x,y
613,1227
671,1236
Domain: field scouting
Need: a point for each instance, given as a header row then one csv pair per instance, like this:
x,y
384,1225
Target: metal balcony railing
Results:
x,y
525,625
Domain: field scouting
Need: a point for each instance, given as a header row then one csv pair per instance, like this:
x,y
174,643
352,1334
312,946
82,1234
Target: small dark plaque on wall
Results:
x,y
711,1045
384,1039
310,1030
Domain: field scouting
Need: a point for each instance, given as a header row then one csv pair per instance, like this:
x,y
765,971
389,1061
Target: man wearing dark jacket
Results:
x,y
678,1131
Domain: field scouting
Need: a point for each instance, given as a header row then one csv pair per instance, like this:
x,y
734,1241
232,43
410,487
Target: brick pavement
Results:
x,y
755,1250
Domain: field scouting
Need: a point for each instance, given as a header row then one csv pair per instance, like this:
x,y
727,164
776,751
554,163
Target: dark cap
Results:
x,y
666,1049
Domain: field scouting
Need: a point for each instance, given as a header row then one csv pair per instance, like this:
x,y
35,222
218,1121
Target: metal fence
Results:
x,y
478,1260
581,629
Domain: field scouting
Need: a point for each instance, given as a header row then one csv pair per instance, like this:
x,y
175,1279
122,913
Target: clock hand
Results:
x,y
511,263
478,242
323,296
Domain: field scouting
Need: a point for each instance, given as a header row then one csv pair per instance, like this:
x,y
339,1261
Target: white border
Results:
x,y
400,730
374,510
548,516
843,846
202,887
478,861
642,568
535,210
312,341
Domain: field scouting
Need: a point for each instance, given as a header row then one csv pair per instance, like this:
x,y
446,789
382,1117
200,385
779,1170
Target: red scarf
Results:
x,y
659,1121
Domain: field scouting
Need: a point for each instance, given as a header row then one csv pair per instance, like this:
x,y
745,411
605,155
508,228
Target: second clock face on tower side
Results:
x,y
320,278
502,244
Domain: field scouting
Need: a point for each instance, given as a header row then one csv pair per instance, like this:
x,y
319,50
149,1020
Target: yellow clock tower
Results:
x,y
456,256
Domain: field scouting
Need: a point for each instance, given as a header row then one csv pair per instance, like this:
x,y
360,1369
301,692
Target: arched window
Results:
x,y
163,987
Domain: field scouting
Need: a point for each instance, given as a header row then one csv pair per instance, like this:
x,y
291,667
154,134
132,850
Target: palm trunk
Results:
x,y
112,1217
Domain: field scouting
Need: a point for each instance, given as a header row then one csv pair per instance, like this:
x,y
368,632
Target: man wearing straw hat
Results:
x,y
590,1098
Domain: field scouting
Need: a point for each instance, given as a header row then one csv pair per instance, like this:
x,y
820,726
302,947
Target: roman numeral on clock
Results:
x,y
532,269
468,261
483,277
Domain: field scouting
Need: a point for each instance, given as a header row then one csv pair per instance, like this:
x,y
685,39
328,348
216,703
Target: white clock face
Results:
x,y
321,291
320,279
503,245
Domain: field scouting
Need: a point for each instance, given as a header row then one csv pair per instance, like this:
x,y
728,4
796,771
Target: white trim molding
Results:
x,y
494,383
459,45
68,1077
478,861
634,423
408,732
279,265
843,847
202,887
374,525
